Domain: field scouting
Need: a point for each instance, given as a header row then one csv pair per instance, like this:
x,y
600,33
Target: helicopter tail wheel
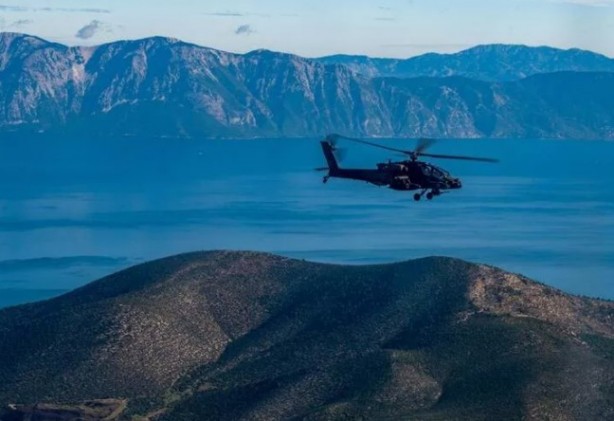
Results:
x,y
429,195
417,197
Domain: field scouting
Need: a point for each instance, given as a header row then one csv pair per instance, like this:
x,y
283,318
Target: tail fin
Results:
x,y
328,150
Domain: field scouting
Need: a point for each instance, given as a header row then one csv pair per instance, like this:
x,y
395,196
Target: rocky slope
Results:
x,y
239,335
165,87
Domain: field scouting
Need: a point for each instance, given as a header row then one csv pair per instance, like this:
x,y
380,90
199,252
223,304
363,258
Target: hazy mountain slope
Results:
x,y
494,62
237,335
164,87
303,96
39,81
541,106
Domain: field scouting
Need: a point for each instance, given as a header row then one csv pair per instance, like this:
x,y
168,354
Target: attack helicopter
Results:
x,y
408,174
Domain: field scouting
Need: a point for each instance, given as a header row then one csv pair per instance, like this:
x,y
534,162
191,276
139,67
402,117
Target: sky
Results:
x,y
312,28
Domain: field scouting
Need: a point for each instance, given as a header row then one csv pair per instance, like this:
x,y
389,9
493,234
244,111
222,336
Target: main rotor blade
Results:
x,y
423,144
466,158
377,145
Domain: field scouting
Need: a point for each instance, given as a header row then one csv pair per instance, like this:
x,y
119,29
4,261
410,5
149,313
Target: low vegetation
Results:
x,y
229,335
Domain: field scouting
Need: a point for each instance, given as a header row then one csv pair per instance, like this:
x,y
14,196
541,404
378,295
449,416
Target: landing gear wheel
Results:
x,y
325,179
429,196
417,197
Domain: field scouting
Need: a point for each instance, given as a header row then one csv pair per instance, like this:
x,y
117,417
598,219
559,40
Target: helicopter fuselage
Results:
x,y
401,175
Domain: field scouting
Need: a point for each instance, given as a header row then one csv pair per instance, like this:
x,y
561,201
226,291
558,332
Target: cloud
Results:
x,y
73,9
244,30
6,8
225,14
90,29
21,22
9,8
235,14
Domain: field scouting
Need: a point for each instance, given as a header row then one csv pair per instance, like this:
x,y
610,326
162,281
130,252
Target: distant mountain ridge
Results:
x,y
165,87
493,62
243,336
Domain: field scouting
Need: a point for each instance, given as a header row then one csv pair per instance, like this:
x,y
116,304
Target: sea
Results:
x,y
75,210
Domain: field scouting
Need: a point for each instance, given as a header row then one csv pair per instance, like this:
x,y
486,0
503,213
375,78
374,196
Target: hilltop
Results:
x,y
241,335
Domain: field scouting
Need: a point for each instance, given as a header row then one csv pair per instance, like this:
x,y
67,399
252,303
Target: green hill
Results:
x,y
240,335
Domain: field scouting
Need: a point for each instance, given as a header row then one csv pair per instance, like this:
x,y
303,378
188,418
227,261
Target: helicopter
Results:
x,y
409,174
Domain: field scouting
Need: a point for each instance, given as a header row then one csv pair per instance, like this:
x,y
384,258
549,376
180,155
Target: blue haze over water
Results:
x,y
72,211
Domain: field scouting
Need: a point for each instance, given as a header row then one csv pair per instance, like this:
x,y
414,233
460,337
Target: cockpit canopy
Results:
x,y
431,170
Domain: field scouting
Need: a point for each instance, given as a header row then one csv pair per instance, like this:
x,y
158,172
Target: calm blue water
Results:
x,y
73,211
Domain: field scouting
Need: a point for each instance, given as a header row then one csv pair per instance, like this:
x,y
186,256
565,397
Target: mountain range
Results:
x,y
246,336
493,62
165,87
